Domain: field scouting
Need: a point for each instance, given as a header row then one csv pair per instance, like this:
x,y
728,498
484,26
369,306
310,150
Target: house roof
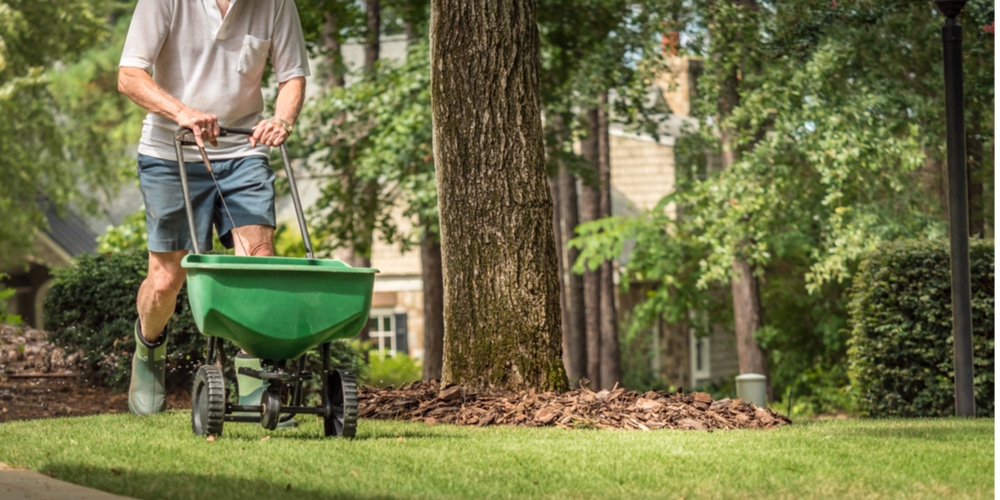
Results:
x,y
69,231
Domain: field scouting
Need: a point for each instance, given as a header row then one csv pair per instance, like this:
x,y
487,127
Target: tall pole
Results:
x,y
958,208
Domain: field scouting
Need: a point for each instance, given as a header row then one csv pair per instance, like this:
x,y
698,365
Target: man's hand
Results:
x,y
204,126
270,132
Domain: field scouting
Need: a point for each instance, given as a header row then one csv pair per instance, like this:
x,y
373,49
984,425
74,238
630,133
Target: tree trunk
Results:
x,y
745,286
611,363
373,27
573,329
370,190
501,285
333,69
430,262
746,312
561,259
590,210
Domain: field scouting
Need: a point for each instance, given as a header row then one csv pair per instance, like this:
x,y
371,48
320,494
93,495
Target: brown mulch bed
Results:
x,y
582,408
38,380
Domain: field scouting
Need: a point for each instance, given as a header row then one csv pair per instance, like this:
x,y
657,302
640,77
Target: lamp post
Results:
x,y
958,208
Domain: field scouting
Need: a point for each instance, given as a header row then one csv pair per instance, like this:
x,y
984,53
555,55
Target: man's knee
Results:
x,y
254,240
166,276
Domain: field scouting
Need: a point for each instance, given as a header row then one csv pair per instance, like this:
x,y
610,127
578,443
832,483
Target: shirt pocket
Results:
x,y
253,56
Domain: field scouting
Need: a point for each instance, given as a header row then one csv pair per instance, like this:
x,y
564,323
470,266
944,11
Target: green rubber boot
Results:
x,y
146,392
251,389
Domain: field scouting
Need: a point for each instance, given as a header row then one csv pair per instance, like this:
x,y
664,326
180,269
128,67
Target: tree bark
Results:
x,y
430,261
611,364
373,28
370,190
573,328
561,259
333,70
501,285
746,313
590,210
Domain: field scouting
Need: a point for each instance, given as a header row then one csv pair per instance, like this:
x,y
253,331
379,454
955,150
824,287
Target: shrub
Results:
x,y
900,351
391,370
6,293
91,308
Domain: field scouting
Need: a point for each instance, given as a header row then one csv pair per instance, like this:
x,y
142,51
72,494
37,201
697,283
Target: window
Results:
x,y
382,332
701,368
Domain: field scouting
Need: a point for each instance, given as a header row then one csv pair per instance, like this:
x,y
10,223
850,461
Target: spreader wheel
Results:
x,y
208,401
270,411
341,404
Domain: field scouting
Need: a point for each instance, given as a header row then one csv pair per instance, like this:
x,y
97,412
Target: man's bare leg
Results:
x,y
158,293
155,304
255,240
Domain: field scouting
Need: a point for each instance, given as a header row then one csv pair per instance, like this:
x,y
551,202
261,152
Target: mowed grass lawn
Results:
x,y
159,457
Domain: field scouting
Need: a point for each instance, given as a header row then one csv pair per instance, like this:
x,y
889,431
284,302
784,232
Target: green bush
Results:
x,y
6,293
391,371
900,351
91,308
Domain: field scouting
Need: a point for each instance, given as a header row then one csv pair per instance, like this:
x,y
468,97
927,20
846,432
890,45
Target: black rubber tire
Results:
x,y
208,401
271,410
341,404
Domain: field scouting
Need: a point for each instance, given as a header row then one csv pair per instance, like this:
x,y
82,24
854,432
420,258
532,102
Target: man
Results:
x,y
199,64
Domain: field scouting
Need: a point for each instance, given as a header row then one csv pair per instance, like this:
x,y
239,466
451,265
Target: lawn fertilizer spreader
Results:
x,y
275,309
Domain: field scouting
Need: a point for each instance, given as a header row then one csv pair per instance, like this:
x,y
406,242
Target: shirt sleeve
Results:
x,y
288,50
148,30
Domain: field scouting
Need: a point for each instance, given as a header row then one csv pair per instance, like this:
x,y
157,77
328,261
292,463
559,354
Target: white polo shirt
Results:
x,y
212,64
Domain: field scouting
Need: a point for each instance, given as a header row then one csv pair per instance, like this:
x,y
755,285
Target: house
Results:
x,y
67,236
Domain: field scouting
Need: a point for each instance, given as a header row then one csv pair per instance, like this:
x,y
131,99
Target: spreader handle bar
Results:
x,y
185,137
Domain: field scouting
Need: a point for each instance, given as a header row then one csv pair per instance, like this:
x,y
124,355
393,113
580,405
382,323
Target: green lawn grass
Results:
x,y
158,457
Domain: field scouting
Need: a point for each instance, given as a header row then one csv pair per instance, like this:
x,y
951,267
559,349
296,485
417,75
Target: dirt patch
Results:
x,y
38,380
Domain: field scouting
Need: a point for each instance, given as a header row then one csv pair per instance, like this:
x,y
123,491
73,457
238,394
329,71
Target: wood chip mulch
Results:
x,y
581,408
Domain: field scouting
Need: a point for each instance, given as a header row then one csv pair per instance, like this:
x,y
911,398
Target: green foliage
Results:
x,y
6,293
901,354
370,143
129,235
91,308
394,371
59,100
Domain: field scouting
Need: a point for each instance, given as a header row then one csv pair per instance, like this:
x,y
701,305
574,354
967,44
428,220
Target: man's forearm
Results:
x,y
142,90
291,94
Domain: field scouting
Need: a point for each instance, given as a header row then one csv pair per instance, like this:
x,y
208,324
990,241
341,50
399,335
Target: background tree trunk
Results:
x,y
370,189
745,286
373,24
430,262
573,328
590,210
611,364
501,286
333,69
746,313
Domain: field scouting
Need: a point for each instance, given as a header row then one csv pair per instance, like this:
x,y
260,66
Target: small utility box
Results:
x,y
752,388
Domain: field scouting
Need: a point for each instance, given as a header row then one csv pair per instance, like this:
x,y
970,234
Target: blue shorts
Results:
x,y
247,186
